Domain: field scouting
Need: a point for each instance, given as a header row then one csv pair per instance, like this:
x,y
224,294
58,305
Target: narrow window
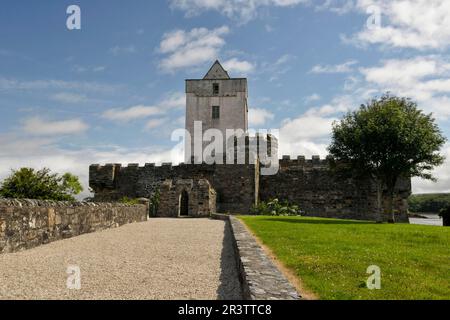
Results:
x,y
216,112
216,89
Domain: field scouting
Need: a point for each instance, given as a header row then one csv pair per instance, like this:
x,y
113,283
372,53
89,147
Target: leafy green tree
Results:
x,y
386,139
28,183
71,184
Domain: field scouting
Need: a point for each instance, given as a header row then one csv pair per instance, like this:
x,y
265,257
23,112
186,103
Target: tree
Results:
x,y
386,139
27,183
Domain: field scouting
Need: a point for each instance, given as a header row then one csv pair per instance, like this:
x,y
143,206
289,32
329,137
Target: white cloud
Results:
x,y
305,135
259,117
277,68
238,66
312,98
284,59
340,104
442,174
306,127
99,69
81,69
118,50
66,97
7,84
155,123
425,79
418,24
132,113
337,6
184,49
406,71
243,11
345,67
173,100
39,127
17,152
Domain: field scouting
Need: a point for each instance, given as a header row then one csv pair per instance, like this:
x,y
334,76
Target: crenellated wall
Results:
x,y
236,185
311,184
308,183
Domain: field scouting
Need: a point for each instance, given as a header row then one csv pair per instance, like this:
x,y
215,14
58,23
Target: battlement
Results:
x,y
107,176
302,161
109,170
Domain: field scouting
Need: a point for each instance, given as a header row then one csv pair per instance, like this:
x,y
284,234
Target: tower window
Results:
x,y
216,89
216,112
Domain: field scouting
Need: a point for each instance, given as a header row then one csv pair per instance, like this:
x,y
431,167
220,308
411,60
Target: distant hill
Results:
x,y
428,203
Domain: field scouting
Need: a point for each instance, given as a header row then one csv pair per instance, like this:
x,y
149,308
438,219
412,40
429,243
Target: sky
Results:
x,y
113,91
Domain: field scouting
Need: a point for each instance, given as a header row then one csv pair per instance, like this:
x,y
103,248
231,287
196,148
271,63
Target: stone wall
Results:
x,y
236,185
307,183
201,198
311,185
25,224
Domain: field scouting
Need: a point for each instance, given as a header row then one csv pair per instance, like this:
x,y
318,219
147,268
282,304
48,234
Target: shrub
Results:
x,y
276,208
130,201
445,212
28,183
154,202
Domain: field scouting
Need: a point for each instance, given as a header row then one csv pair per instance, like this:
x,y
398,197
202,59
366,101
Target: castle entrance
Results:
x,y
184,204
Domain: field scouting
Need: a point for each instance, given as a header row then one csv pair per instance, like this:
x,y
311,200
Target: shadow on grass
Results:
x,y
316,221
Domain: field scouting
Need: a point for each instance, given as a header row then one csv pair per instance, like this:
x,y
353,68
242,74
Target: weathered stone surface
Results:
x,y
260,278
25,224
235,185
307,183
201,198
311,185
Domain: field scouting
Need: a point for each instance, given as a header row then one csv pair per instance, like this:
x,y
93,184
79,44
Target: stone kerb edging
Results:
x,y
259,276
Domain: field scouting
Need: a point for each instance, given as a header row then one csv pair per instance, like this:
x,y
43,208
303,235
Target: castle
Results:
x,y
197,189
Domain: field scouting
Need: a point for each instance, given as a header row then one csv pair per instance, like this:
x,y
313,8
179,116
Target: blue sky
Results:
x,y
113,91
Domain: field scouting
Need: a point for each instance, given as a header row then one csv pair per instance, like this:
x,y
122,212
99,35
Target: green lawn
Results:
x,y
331,256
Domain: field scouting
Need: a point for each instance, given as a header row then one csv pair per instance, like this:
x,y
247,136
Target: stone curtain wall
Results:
x,y
25,224
236,185
307,183
311,185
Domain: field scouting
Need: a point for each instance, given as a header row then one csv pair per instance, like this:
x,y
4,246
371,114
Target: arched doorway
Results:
x,y
184,204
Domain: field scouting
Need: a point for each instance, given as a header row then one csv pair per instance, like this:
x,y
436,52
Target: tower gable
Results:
x,y
216,72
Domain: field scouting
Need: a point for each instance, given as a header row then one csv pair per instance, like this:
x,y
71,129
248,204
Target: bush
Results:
x,y
154,203
27,183
276,208
445,212
130,201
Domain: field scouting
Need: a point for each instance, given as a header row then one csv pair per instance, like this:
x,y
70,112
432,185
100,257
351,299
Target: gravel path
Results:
x,y
158,259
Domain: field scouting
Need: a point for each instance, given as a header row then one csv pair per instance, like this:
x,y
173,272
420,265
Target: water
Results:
x,y
432,220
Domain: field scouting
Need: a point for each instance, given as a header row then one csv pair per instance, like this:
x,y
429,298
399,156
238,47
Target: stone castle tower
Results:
x,y
217,101
220,102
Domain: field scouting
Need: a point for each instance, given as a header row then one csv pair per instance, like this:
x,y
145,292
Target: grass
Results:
x,y
331,256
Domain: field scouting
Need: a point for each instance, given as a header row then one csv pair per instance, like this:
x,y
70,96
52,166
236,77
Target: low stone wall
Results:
x,y
25,224
260,278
